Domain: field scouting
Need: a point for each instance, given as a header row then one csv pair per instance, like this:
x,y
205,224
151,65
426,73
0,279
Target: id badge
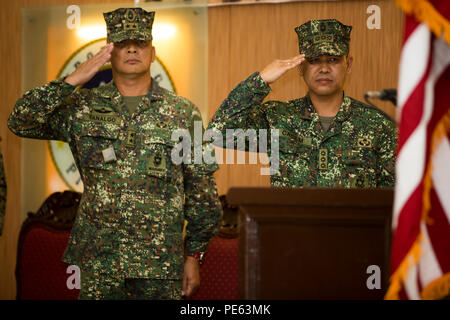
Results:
x,y
109,154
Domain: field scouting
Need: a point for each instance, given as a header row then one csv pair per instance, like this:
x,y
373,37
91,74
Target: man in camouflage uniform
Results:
x,y
128,235
2,192
326,139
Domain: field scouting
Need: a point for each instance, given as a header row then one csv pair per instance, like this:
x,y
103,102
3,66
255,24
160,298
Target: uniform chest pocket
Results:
x,y
359,157
156,158
351,158
96,146
359,167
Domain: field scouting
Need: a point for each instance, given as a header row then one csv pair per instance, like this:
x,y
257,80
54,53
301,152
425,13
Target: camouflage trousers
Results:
x,y
96,286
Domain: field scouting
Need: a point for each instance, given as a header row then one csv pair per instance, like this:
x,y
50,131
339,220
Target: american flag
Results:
x,y
420,256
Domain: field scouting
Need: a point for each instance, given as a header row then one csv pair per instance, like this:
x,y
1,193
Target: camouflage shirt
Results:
x,y
2,191
131,215
357,150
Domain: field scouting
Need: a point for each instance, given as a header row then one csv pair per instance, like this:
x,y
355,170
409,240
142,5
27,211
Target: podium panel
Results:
x,y
313,243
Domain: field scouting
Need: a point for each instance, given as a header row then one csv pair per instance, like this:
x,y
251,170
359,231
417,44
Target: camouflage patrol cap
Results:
x,y
129,23
319,37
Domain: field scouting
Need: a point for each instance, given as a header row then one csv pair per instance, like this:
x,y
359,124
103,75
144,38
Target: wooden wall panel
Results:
x,y
218,55
221,72
9,91
218,60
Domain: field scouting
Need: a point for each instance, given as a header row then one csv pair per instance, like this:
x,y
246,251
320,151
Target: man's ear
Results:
x,y
301,68
153,54
349,64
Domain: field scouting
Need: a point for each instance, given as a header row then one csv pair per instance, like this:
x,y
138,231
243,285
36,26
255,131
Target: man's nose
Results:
x,y
131,47
324,67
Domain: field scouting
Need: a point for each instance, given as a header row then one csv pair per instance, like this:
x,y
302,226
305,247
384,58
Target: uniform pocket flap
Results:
x,y
352,157
107,132
159,136
298,146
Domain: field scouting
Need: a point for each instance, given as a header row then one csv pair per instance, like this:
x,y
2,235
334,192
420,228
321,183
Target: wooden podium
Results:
x,y
313,243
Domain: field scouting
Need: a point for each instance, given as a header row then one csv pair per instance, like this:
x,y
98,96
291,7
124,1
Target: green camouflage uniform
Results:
x,y
357,150
2,192
135,201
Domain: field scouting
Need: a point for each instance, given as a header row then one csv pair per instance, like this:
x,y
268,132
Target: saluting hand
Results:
x,y
85,71
277,68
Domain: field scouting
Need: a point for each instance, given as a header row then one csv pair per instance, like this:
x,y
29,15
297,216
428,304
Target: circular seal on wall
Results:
x,y
60,151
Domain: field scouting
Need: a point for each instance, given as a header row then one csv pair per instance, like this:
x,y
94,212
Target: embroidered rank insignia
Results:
x,y
365,142
156,164
323,159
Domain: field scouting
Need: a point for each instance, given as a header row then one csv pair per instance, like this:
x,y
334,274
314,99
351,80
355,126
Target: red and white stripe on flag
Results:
x,y
420,256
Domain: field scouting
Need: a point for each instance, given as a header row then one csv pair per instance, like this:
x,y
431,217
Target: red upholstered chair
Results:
x,y
40,273
219,271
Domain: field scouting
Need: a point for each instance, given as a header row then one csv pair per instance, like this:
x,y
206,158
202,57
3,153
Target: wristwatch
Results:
x,y
200,256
